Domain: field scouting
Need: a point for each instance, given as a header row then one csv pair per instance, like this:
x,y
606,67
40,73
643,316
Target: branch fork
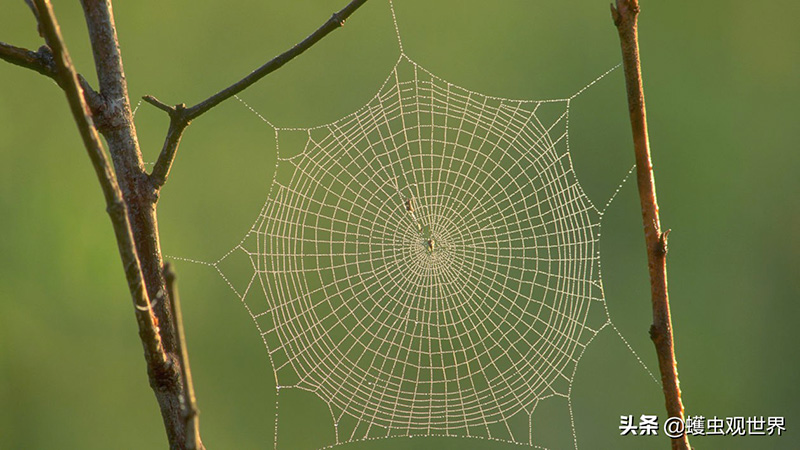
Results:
x,y
131,194
181,116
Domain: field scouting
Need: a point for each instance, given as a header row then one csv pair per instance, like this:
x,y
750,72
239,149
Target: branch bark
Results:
x,y
166,380
42,62
625,15
181,116
108,182
190,411
132,195
116,206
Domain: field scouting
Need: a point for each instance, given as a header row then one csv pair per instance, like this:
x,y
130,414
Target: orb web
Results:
x,y
429,262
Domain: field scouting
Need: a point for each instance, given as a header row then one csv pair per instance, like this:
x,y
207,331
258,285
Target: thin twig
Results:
x,y
42,62
35,12
178,124
335,21
625,16
114,201
190,411
36,61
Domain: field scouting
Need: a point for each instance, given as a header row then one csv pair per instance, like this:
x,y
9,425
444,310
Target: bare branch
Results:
x,y
336,20
190,411
177,124
131,195
625,16
35,12
115,204
185,115
158,104
167,381
41,61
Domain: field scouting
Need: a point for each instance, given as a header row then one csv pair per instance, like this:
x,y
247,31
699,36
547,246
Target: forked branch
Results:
x,y
131,195
64,71
181,116
625,15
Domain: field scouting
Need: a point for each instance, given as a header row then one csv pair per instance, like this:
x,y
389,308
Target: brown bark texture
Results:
x,y
625,14
131,193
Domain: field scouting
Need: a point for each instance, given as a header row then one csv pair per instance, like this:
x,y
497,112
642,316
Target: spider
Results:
x,y
410,205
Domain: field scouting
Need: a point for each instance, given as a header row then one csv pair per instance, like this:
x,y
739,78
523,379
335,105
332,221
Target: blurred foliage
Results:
x,y
722,96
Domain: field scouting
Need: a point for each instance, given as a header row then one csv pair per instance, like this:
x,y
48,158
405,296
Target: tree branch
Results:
x,y
189,404
336,20
177,124
180,116
140,199
625,16
131,195
35,12
117,210
42,62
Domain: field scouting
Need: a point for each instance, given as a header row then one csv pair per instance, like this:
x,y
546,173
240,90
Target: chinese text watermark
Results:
x,y
675,427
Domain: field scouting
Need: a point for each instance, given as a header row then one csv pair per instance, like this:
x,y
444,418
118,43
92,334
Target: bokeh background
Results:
x,y
721,81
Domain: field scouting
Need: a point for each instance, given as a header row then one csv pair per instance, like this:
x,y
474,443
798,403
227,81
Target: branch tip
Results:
x,y
169,277
337,18
158,104
615,15
624,9
188,401
181,115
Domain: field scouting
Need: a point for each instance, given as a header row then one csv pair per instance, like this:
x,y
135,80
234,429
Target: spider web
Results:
x,y
430,261
429,264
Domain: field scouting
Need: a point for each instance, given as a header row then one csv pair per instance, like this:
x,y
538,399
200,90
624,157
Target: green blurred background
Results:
x,y
722,89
